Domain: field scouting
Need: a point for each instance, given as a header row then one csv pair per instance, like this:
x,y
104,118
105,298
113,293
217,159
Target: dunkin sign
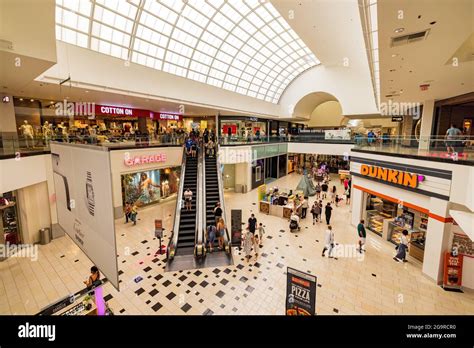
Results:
x,y
391,175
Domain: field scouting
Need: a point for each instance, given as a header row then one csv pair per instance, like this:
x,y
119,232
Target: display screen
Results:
x,y
147,187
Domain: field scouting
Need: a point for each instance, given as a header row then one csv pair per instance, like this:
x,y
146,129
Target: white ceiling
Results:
x,y
428,61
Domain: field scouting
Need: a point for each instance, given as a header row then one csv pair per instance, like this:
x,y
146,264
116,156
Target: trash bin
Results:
x,y
45,235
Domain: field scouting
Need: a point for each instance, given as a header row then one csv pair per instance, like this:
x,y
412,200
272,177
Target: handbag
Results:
x,y
396,247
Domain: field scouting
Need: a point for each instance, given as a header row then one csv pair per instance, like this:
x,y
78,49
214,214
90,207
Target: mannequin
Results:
x,y
47,132
63,130
27,132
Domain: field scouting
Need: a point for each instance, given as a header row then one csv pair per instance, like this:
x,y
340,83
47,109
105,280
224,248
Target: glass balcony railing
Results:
x,y
459,149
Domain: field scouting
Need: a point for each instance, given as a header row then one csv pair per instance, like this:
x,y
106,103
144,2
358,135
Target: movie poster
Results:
x,y
300,293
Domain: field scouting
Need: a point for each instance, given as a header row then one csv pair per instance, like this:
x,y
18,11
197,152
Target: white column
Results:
x,y
357,201
438,237
426,124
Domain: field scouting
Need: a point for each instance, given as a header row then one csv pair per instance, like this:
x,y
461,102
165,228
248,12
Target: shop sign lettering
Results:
x,y
131,161
392,175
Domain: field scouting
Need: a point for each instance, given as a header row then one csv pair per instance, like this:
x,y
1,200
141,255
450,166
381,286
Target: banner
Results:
x,y
300,293
83,188
236,225
337,134
158,228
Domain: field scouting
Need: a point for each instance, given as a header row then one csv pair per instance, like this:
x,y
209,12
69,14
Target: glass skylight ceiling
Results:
x,y
243,46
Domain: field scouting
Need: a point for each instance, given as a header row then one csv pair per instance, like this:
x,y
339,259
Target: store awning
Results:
x,y
465,220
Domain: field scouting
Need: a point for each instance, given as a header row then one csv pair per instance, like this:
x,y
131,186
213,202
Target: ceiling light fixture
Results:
x,y
399,30
21,99
32,100
394,55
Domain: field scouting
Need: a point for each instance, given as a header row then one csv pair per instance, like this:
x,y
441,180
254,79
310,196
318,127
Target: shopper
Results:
x,y
304,207
95,276
314,212
324,188
252,223
211,148
452,136
229,132
402,247
188,199
211,236
348,195
128,211
248,241
333,194
217,212
362,234
342,177
346,183
328,212
134,213
194,148
337,199
329,242
261,232
256,245
205,136
318,190
220,233
188,146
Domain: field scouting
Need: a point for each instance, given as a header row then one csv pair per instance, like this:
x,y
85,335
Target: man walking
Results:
x,y
362,234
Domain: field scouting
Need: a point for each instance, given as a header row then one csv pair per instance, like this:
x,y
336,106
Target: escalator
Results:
x,y
214,193
187,222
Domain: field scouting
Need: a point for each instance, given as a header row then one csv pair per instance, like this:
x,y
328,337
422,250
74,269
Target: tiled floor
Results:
x,y
346,285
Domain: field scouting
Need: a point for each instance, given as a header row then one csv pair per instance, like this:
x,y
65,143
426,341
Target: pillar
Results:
x,y
8,130
426,124
357,204
438,236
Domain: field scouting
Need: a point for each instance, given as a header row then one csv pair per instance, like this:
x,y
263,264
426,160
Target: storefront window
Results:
x,y
147,187
10,230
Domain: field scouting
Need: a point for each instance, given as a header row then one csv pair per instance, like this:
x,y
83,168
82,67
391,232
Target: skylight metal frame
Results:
x,y
263,73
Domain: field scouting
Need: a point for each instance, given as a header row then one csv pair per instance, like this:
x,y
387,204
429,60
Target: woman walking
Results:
x,y
248,242
402,248
333,194
328,212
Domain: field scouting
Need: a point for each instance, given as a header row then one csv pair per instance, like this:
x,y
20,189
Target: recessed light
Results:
x,y
86,91
21,99
51,102
399,30
32,100
394,55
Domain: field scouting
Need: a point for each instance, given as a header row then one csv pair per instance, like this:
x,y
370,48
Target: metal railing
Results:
x,y
199,239
171,249
227,239
268,139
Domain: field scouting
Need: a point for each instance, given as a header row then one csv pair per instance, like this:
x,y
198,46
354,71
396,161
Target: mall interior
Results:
x,y
168,157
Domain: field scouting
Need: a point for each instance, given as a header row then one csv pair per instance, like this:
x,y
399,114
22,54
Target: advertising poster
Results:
x,y
300,293
337,134
452,271
236,225
83,187
147,187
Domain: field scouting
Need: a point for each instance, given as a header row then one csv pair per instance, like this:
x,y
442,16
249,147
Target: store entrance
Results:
x,y
271,169
388,219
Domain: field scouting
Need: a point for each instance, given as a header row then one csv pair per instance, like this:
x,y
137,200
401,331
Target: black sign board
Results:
x,y
300,293
397,118
236,225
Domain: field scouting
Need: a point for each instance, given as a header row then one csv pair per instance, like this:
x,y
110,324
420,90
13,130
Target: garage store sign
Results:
x,y
132,161
392,176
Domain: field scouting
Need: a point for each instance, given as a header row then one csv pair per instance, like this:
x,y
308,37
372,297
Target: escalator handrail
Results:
x,y
203,209
179,203
221,197
200,192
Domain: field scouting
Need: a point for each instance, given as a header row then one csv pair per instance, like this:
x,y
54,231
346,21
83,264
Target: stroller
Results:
x,y
294,226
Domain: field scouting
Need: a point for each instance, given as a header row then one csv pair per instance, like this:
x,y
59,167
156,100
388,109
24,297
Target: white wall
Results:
x,y
33,202
22,172
320,148
243,175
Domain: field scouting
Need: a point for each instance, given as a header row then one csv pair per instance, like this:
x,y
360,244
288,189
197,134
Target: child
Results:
x,y
261,232
337,200
256,246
